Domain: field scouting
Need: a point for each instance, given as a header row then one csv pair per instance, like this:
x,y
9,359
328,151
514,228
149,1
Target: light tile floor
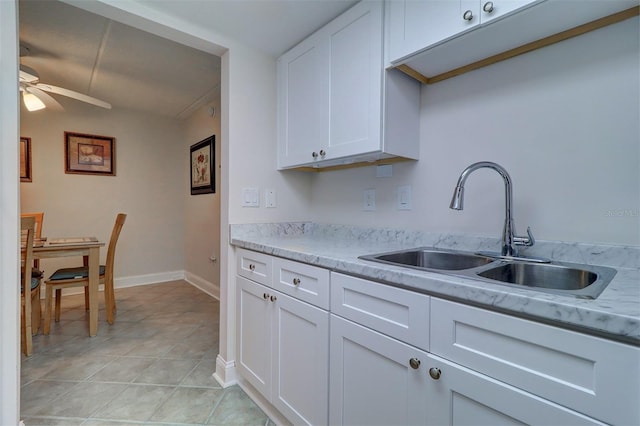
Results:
x,y
153,366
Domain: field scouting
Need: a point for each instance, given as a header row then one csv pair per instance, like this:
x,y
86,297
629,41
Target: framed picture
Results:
x,y
202,171
25,159
89,154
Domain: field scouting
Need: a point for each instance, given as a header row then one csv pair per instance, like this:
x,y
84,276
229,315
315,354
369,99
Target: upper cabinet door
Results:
x,y
416,24
355,77
302,99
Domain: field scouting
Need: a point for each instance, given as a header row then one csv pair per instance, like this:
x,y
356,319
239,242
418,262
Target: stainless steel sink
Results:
x,y
432,259
578,280
584,281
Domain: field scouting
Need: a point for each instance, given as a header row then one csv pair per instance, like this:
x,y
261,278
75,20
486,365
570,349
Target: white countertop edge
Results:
x,y
614,314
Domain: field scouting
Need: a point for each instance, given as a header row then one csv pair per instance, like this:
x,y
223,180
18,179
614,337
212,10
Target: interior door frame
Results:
x,y
9,211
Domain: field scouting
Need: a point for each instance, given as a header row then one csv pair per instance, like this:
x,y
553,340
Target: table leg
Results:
x,y
94,282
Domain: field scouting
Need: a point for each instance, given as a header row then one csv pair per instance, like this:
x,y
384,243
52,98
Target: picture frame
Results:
x,y
203,178
25,159
89,154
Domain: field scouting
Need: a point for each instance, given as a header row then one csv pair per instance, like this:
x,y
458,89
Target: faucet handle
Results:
x,y
525,241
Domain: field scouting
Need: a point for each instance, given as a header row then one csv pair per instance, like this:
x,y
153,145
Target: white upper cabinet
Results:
x,y
335,100
417,24
436,36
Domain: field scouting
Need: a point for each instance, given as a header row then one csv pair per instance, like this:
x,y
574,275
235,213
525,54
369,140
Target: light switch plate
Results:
x,y
404,197
250,197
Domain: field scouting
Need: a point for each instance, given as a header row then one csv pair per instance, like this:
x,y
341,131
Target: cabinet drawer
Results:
x,y
399,313
585,373
254,266
304,282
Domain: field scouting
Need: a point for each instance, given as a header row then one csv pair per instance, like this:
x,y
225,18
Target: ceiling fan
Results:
x,y
35,96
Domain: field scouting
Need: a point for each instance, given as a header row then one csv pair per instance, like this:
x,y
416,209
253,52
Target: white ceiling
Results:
x,y
131,69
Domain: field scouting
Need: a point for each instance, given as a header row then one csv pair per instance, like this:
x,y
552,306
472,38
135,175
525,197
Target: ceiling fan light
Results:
x,y
32,102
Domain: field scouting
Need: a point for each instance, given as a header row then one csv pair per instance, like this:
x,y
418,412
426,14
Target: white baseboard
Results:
x,y
225,373
137,280
208,287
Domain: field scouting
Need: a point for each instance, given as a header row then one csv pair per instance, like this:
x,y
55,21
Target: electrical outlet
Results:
x,y
369,200
270,198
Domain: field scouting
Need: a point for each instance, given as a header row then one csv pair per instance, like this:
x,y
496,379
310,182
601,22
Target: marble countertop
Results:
x,y
614,314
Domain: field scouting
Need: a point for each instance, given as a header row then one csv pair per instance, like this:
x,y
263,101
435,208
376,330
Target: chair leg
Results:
x,y
110,301
58,299
48,301
36,311
86,298
26,326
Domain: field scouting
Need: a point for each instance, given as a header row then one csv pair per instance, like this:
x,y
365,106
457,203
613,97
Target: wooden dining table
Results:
x,y
89,248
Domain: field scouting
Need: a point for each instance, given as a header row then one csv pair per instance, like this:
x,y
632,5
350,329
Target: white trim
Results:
x,y
9,225
225,373
208,287
160,277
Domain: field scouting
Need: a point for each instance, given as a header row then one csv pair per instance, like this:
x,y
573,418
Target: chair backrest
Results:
x,y
27,225
111,250
39,217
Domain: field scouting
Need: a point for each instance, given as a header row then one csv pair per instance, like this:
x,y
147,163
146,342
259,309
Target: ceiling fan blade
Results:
x,y
45,98
28,75
71,94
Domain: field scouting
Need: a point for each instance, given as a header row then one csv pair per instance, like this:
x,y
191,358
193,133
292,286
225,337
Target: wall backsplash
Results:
x,y
562,120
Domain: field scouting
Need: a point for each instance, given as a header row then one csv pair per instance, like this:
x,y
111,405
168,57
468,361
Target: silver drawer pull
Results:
x,y
265,296
252,267
467,15
273,298
296,281
488,7
414,363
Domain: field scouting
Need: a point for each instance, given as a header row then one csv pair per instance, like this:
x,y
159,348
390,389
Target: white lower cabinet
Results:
x,y
382,355
377,380
283,351
460,396
372,381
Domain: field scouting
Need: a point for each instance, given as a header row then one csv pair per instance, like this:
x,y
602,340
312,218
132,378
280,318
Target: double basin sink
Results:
x,y
584,281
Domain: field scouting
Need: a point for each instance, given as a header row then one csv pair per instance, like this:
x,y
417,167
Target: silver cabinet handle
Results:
x,y
273,298
467,15
265,296
322,153
314,154
414,363
435,373
252,267
296,281
488,7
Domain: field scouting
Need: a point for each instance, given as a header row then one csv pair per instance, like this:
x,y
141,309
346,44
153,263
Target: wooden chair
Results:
x,y
39,218
79,277
29,289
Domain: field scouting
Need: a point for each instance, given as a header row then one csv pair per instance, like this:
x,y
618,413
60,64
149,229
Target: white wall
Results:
x,y
148,186
562,120
202,212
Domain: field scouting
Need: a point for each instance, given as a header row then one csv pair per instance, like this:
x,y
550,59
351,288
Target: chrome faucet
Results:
x,y
509,239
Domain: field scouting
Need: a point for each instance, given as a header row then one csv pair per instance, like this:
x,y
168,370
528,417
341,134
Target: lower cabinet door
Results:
x,y
253,325
301,361
374,379
460,396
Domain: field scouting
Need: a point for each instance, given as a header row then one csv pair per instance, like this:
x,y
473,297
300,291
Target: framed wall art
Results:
x,y
202,167
89,154
25,159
